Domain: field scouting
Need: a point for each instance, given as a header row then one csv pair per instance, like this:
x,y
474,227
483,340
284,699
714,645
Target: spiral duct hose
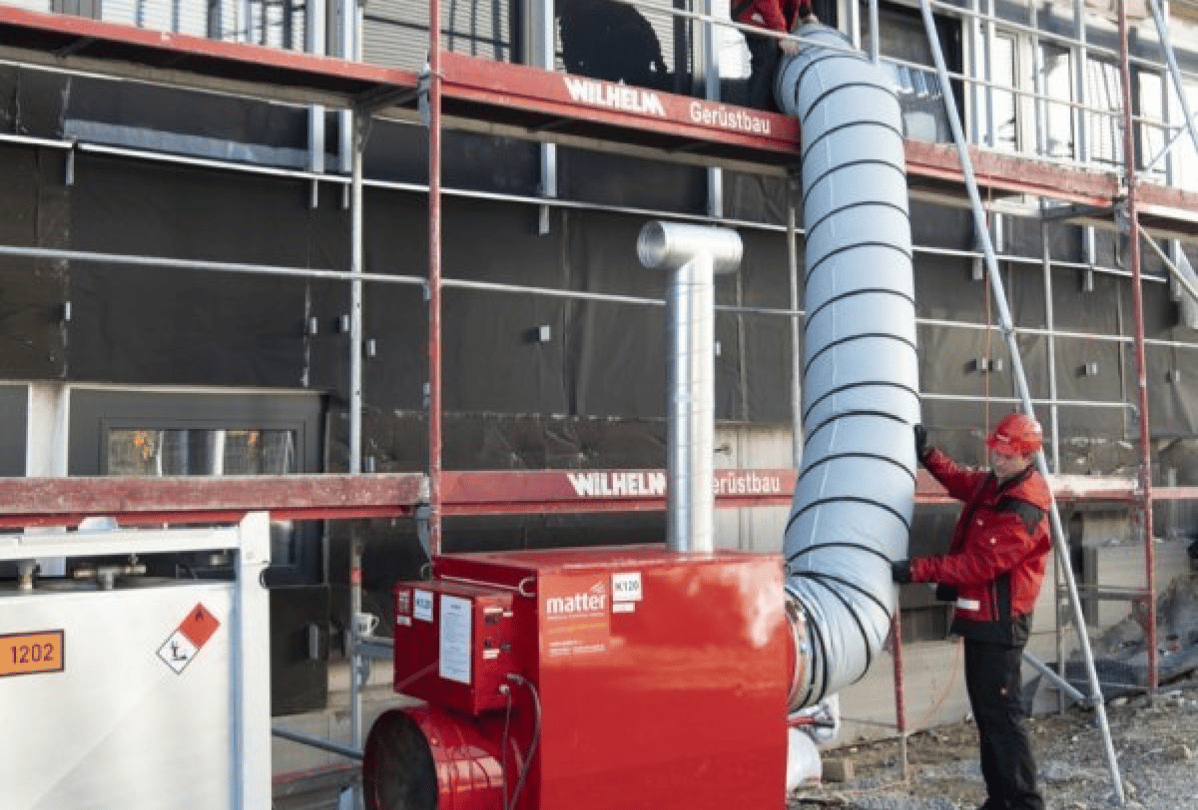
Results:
x,y
856,489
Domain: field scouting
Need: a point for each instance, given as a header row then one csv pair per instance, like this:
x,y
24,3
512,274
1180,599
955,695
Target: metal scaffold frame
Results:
x,y
1060,543
368,92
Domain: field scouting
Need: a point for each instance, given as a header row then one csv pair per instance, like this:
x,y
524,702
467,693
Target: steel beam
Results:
x,y
66,501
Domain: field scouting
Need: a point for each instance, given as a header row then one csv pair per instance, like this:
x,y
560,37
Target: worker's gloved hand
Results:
x,y
921,441
900,571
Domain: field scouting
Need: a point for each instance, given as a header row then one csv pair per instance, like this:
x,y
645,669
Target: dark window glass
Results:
x,y
132,433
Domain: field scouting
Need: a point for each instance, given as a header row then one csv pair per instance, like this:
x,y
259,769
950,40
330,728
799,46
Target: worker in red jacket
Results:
x,y
766,52
995,566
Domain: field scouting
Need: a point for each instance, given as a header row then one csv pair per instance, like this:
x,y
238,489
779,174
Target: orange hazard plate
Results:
x,y
27,653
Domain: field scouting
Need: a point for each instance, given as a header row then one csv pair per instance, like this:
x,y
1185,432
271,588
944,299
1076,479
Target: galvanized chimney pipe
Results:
x,y
693,255
856,490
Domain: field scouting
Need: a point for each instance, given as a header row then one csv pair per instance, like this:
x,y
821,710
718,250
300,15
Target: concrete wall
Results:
x,y
758,529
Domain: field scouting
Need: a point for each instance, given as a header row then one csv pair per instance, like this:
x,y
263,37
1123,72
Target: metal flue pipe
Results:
x,y
693,255
856,490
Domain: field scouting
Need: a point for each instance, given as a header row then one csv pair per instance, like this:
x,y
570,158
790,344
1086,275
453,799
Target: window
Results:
x,y
1000,112
77,8
1185,154
1017,120
903,39
1153,135
395,34
277,23
133,451
1058,114
1104,117
172,433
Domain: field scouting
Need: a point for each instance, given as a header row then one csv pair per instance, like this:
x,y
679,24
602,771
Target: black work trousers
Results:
x,y
764,56
992,678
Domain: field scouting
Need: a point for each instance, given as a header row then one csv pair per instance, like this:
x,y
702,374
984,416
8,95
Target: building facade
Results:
x,y
177,298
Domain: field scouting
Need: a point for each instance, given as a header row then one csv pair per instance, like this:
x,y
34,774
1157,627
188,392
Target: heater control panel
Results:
x,y
455,644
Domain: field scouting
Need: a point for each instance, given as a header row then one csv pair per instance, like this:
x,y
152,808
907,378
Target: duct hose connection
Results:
x,y
855,493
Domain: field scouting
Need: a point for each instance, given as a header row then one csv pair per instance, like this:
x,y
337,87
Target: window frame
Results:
x,y
96,411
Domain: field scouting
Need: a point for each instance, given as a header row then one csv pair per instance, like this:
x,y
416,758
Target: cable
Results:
x,y
536,734
506,691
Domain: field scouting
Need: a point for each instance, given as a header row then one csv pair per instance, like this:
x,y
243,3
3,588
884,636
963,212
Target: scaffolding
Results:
x,y
472,93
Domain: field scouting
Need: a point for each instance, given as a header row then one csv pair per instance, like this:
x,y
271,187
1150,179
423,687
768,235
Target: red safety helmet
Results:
x,y
1017,434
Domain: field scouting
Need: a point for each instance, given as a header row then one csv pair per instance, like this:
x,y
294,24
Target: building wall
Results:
x,y
590,397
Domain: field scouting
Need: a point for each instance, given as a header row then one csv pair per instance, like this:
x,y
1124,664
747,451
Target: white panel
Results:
x,y
30,5
118,727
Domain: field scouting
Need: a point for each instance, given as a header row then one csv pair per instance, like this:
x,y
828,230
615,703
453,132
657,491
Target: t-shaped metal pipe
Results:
x,y
693,254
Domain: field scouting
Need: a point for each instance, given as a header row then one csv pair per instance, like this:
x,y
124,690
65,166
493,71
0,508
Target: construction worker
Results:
x,y
995,566
766,52
608,40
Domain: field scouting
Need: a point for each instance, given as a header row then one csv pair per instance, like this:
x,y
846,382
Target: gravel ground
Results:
x,y
1155,739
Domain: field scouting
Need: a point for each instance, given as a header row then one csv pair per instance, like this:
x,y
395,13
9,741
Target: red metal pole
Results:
x,y
434,278
1129,160
900,701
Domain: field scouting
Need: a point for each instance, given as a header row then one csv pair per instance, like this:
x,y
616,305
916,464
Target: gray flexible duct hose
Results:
x,y
856,491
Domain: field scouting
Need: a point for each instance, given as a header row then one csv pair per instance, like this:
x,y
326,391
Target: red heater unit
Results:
x,y
587,680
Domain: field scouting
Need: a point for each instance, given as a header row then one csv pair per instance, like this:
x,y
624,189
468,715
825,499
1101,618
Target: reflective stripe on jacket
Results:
x,y
999,551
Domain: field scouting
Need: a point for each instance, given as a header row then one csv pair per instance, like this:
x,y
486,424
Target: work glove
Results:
x,y
900,571
921,441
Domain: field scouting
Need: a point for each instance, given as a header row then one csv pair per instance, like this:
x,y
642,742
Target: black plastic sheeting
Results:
x,y
33,211
165,325
602,360
32,102
199,115
160,325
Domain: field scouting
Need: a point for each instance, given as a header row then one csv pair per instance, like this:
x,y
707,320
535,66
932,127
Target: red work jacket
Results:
x,y
999,551
776,15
